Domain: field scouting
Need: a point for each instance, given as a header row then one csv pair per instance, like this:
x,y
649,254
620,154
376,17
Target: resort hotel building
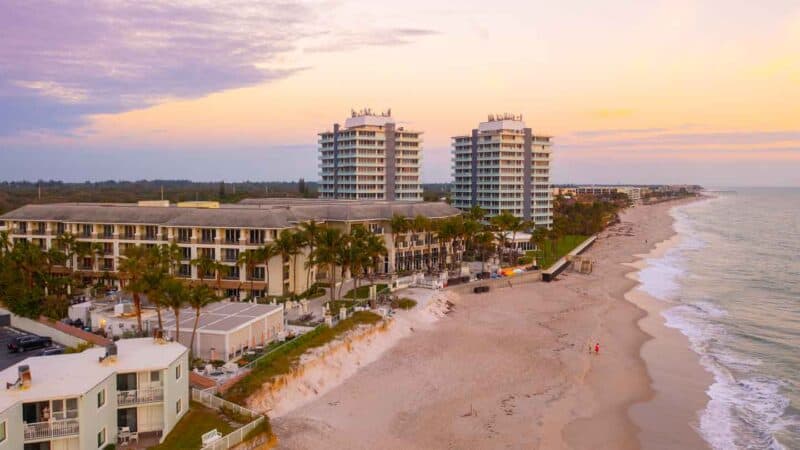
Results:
x,y
135,390
502,166
221,232
370,158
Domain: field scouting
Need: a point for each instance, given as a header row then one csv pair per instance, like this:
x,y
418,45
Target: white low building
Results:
x,y
225,329
136,388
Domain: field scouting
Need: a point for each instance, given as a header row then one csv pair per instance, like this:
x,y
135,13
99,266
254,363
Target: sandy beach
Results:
x,y
513,368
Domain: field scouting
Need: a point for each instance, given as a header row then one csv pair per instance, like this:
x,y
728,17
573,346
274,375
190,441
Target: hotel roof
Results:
x,y
221,317
249,213
74,374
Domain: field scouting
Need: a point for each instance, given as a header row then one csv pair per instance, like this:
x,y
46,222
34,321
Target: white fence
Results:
x,y
236,436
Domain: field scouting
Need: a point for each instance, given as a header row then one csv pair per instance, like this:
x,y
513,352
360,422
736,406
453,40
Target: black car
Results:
x,y
25,343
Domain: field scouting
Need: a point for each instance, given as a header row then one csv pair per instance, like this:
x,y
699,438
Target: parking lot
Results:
x,y
7,358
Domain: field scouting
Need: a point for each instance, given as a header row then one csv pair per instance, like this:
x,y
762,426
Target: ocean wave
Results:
x,y
746,408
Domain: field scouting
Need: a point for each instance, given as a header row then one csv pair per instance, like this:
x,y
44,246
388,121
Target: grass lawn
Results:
x,y
285,358
564,245
186,434
406,303
336,304
362,291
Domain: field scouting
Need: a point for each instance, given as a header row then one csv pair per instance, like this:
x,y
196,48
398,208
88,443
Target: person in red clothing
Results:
x,y
597,348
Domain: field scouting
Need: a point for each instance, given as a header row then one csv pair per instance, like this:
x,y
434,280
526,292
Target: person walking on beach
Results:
x,y
597,348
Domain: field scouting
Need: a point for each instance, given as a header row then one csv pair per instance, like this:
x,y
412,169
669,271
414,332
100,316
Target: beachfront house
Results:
x,y
133,391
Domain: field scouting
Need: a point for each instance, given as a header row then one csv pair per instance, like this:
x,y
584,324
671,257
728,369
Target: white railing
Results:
x,y
139,396
49,430
235,437
212,401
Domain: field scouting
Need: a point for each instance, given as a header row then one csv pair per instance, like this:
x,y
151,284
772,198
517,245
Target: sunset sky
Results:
x,y
633,91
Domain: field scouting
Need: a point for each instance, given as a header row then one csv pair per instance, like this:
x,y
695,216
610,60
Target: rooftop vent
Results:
x,y
111,353
158,336
23,379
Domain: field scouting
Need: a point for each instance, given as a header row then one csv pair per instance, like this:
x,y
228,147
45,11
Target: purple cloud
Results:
x,y
61,60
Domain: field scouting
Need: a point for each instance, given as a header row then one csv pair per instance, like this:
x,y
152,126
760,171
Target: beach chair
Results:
x,y
210,437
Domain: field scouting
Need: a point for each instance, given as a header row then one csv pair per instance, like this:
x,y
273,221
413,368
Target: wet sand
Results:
x,y
513,368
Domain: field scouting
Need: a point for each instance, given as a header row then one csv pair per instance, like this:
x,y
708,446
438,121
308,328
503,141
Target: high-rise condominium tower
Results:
x,y
370,158
503,166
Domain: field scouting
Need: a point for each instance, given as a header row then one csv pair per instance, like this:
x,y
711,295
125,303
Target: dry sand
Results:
x,y
512,369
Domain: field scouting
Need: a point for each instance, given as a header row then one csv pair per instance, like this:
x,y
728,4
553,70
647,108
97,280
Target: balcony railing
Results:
x,y
139,396
50,430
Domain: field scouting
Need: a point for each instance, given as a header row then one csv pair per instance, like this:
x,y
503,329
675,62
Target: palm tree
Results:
x,y
422,224
345,257
175,295
5,243
484,241
399,225
249,259
286,246
267,252
476,213
200,295
132,268
538,238
97,251
204,265
327,253
310,230
374,249
67,242
152,280
506,222
171,256
469,229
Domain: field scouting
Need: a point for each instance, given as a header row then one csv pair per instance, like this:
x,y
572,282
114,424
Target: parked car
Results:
x,y
25,343
52,351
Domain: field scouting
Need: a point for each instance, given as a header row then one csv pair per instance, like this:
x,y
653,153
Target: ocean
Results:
x,y
733,285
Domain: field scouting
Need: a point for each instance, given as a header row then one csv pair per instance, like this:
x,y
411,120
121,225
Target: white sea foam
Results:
x,y
745,409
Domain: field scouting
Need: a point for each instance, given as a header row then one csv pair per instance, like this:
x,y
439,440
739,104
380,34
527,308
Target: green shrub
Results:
x,y
406,303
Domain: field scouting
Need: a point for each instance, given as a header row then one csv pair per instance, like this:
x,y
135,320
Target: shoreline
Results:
x,y
678,380
513,368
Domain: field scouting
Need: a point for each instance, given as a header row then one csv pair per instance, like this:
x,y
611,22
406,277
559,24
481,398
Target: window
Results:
x,y
258,273
185,271
101,398
184,234
178,406
257,236
87,230
230,254
155,376
150,232
232,236
186,253
208,234
130,232
178,372
62,228
108,231
2,432
23,227
101,438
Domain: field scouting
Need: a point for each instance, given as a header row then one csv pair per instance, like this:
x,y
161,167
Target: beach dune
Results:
x,y
514,368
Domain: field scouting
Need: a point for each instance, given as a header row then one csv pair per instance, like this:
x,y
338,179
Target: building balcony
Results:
x,y
140,396
42,431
